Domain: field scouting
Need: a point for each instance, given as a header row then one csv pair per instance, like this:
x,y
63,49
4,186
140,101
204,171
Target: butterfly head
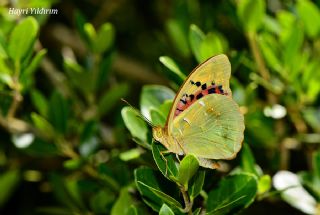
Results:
x,y
159,135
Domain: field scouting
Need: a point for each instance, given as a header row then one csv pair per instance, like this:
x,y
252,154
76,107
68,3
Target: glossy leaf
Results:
x,y
101,200
177,35
196,37
22,38
58,112
310,15
165,161
247,160
137,127
188,167
151,188
36,60
196,184
234,193
43,125
104,38
9,180
165,210
172,66
210,46
264,184
40,102
123,203
153,96
251,13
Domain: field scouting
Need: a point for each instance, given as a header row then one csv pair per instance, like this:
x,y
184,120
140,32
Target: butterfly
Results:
x,y
204,120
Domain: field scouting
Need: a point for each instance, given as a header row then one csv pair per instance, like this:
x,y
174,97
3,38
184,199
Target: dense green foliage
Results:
x,y
70,146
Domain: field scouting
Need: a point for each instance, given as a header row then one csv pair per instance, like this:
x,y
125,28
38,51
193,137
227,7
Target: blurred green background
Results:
x,y
67,145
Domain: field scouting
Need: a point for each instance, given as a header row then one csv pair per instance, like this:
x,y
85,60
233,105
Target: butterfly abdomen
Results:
x,y
187,100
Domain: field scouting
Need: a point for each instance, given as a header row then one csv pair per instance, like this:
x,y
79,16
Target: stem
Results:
x,y
262,69
17,98
188,204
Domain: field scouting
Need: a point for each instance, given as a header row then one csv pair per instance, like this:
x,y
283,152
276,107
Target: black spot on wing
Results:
x,y
220,88
212,90
204,86
191,97
198,83
199,96
183,101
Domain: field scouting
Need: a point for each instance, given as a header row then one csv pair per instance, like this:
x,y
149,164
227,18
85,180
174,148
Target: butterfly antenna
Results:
x,y
139,113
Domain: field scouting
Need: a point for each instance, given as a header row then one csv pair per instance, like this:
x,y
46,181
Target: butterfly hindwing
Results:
x,y
211,128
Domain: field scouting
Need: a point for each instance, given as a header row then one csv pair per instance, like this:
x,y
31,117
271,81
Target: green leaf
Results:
x,y
197,211
196,184
40,102
8,182
291,52
133,210
82,80
264,184
154,190
268,46
22,38
164,161
233,194
90,33
36,60
196,36
172,66
312,117
188,167
123,203
43,125
310,15
111,97
316,164
42,149
3,53
251,13
101,200
211,45
247,160
62,193
153,96
104,71
58,112
73,164
165,210
157,118
137,127
104,38
131,154
178,37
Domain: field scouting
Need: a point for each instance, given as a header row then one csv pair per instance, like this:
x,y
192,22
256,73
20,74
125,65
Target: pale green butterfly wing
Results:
x,y
211,128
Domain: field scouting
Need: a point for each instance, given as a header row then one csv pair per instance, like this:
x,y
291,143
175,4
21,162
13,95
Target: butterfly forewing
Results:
x,y
211,128
215,70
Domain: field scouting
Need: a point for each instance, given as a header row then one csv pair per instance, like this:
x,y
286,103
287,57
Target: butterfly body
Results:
x,y
204,120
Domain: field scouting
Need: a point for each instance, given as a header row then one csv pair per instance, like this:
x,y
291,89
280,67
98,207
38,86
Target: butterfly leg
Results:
x,y
162,153
207,163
